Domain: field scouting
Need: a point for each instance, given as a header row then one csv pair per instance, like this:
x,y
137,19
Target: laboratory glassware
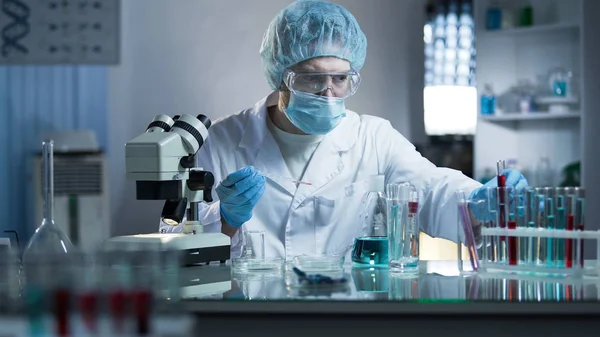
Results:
x,y
467,232
540,222
371,247
560,82
512,243
49,240
253,257
488,101
403,227
532,209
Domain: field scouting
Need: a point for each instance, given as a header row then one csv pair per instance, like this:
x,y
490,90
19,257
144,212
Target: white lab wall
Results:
x,y
201,56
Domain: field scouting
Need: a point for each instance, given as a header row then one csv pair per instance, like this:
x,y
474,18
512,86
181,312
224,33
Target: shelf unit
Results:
x,y
541,29
504,57
532,116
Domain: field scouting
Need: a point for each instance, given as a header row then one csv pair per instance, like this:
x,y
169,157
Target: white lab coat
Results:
x,y
323,218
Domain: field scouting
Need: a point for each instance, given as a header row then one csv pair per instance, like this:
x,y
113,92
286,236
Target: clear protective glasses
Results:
x,y
342,84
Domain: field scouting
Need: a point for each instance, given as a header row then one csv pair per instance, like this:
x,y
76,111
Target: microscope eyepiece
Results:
x,y
160,123
194,131
205,120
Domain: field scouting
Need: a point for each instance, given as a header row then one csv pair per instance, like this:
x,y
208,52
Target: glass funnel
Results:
x,y
49,240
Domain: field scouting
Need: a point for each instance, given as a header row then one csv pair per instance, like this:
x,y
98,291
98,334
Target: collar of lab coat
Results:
x,y
343,137
327,161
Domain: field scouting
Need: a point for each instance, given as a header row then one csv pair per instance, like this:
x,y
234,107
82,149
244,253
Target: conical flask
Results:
x,y
49,240
371,247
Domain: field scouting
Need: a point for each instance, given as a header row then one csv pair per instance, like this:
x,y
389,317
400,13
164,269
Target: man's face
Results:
x,y
323,64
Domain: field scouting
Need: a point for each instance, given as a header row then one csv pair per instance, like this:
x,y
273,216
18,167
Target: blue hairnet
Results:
x,y
310,28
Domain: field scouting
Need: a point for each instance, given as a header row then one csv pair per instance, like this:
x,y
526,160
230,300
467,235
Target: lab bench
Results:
x,y
215,300
438,299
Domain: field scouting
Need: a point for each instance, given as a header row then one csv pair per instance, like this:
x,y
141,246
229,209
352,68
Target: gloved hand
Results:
x,y
239,193
514,178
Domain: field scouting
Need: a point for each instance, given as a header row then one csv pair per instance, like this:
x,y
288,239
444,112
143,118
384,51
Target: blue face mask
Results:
x,y
314,114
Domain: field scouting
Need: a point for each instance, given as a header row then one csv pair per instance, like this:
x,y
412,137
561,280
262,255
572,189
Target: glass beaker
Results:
x,y
403,227
49,240
371,247
473,247
253,257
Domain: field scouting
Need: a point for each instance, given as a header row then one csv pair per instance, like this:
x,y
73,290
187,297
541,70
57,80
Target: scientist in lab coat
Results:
x,y
312,54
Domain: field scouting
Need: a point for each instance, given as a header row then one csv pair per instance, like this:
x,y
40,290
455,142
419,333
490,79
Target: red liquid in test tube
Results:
x,y
143,301
117,303
569,242
512,245
61,311
88,303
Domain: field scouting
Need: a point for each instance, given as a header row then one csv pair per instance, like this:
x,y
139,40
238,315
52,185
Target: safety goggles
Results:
x,y
341,84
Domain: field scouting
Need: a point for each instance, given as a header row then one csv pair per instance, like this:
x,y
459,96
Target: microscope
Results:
x,y
161,161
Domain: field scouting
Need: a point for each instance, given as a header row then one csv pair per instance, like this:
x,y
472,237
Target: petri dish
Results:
x,y
256,264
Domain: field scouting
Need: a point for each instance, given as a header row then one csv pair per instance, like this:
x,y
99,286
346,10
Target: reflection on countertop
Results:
x,y
437,281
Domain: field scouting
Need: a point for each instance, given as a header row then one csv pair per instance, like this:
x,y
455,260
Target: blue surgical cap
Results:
x,y
311,28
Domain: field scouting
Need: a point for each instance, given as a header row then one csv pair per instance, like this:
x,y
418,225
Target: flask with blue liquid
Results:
x,y
488,101
371,247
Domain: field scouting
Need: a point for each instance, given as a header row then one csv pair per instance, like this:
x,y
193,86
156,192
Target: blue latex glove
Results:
x,y
514,178
239,193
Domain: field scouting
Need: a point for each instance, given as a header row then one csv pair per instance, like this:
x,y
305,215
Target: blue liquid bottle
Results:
x,y
371,247
488,101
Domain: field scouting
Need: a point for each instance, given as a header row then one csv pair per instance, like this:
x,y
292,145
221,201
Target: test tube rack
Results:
x,y
539,265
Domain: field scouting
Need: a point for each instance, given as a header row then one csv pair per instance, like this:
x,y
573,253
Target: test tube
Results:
x,y
561,224
465,225
503,199
119,279
530,218
494,253
521,215
570,204
550,223
580,224
510,208
404,238
87,288
541,245
393,216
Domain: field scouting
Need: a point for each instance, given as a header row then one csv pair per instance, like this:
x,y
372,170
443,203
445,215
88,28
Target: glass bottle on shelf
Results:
x,y
560,80
49,240
488,101
493,19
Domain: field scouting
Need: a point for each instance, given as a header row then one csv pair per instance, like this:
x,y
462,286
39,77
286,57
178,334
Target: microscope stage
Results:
x,y
196,248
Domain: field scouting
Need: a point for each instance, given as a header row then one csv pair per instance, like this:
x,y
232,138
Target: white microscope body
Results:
x,y
161,161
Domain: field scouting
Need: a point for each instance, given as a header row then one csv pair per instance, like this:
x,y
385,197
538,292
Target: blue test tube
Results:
x,y
550,223
561,224
521,206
